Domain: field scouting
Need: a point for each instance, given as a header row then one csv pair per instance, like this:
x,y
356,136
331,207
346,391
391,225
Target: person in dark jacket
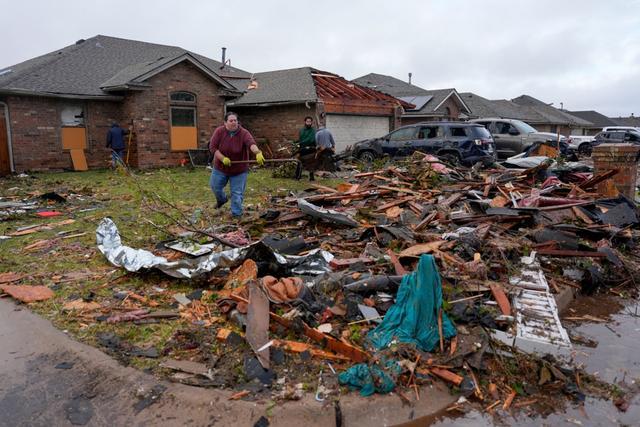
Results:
x,y
115,141
307,148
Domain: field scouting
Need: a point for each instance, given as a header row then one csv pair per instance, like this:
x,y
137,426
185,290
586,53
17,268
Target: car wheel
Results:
x,y
585,149
367,156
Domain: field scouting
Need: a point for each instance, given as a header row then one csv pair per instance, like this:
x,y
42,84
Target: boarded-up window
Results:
x,y
72,115
184,131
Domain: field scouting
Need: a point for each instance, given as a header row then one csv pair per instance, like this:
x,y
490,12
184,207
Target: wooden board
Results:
x,y
74,138
184,138
79,160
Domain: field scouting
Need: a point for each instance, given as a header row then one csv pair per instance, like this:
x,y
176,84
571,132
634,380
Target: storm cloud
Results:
x,y
584,54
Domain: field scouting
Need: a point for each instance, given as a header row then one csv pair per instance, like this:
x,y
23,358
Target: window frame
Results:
x,y
185,107
182,102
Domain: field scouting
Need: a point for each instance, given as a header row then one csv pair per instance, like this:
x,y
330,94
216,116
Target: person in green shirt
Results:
x,y
307,149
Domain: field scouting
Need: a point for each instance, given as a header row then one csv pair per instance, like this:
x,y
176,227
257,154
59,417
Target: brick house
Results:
x,y
598,121
544,117
276,103
64,102
429,105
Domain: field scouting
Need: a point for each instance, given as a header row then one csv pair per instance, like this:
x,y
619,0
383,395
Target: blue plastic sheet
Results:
x,y
371,379
414,317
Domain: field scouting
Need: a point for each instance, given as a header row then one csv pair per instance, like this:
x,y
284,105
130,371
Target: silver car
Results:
x,y
512,136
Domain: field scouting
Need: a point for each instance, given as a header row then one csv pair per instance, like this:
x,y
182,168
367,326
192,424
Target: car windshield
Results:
x,y
523,127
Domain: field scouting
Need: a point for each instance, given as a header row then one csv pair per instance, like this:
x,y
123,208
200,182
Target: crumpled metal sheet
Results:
x,y
326,214
110,245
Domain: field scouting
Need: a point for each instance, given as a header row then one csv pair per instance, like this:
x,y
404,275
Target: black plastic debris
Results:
x,y
285,246
254,370
54,197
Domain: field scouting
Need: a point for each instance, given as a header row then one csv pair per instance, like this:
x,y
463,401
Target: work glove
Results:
x,y
260,158
226,162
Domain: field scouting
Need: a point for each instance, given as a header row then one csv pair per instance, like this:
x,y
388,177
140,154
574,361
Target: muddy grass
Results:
x,y
74,268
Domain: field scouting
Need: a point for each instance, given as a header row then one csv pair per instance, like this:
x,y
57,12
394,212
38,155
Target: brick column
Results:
x,y
621,157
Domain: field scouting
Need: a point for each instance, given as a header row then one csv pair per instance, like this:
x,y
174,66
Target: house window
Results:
x,y
183,116
182,97
184,131
447,113
72,126
553,128
72,115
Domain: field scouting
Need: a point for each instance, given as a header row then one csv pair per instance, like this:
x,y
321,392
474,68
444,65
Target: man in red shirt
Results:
x,y
231,143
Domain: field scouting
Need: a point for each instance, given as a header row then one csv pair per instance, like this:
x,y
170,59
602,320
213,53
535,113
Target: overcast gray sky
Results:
x,y
583,53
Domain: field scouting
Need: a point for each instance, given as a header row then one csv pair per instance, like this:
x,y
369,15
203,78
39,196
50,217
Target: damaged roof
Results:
x,y
281,86
93,67
427,102
306,84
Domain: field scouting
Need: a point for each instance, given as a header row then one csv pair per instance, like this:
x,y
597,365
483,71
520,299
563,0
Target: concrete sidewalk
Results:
x,y
95,390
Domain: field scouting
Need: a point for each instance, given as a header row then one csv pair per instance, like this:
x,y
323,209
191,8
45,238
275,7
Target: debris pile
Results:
x,y
395,278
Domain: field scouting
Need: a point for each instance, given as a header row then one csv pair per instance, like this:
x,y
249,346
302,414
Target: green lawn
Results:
x,y
74,268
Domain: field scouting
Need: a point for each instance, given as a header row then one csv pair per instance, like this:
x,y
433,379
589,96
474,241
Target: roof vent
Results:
x,y
80,41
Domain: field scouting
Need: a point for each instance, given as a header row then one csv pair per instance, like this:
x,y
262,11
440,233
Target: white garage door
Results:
x,y
349,129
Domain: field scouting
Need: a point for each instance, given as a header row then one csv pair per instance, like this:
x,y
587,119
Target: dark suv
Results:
x,y
457,142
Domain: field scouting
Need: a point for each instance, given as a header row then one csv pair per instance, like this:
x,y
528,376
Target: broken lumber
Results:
x,y
354,353
501,299
569,253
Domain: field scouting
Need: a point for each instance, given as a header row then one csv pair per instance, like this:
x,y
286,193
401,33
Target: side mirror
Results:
x,y
513,132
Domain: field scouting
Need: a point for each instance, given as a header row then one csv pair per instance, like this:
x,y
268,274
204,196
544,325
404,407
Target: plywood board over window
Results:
x,y
184,133
74,138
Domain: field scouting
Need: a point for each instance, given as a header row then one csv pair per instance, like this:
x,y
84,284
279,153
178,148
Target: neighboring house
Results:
x,y
276,103
553,120
67,99
598,120
430,105
543,117
631,121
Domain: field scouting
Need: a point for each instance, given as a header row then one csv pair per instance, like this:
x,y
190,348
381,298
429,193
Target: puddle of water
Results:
x,y
595,412
616,357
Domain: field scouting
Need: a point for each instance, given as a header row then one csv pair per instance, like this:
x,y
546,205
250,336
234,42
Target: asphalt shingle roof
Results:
x,y
626,121
292,85
399,88
598,120
551,114
83,68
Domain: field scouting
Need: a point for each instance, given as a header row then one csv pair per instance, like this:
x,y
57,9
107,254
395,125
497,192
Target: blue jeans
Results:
x,y
117,156
237,183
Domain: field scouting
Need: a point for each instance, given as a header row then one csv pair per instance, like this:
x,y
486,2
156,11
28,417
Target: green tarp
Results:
x,y
414,317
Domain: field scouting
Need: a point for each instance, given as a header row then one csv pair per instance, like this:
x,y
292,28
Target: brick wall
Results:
x,y
36,130
36,123
278,125
148,110
621,157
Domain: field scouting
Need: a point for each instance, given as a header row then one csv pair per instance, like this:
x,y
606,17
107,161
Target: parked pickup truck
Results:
x,y
515,136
